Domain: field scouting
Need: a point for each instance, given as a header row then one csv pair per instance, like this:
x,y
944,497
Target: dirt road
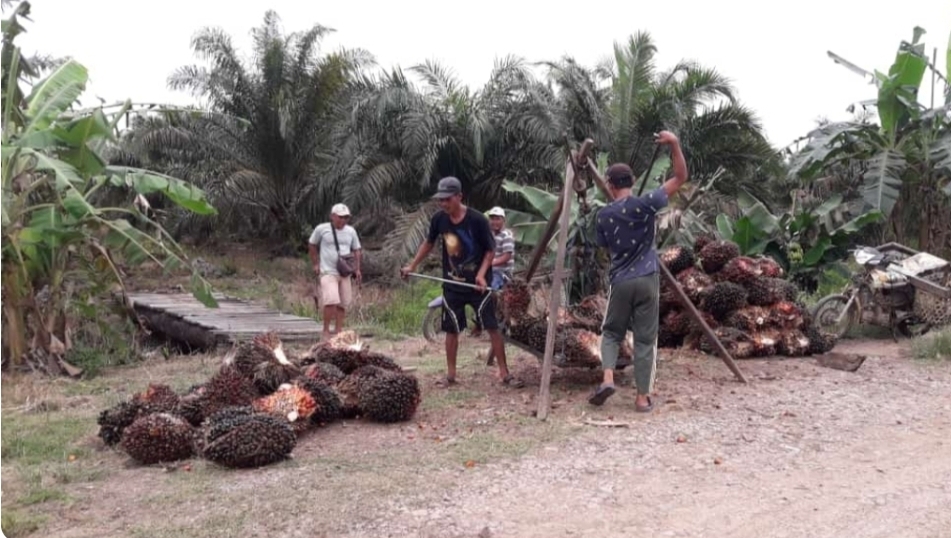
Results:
x,y
803,451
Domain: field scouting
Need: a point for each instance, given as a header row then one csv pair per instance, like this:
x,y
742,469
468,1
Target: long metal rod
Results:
x,y
453,282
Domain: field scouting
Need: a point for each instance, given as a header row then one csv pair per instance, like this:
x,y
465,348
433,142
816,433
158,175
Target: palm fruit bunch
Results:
x,y
574,346
290,402
250,411
384,395
347,353
516,299
158,437
677,258
156,398
715,254
114,420
244,438
324,372
227,387
577,328
328,405
744,299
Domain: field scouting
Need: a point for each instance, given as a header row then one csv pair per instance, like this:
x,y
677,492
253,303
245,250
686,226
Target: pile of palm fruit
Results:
x,y
252,411
578,330
745,300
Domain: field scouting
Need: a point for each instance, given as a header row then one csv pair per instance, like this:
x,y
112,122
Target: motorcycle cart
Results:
x,y
901,289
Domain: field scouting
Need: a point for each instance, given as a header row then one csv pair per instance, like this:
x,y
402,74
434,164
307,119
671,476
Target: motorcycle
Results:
x,y
881,294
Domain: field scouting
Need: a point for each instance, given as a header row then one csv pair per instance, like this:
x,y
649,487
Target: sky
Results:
x,y
775,54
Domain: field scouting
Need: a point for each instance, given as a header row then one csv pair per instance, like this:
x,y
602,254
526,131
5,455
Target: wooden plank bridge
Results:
x,y
182,318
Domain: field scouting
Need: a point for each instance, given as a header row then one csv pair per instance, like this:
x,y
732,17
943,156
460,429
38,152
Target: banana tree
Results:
x,y
804,240
904,160
57,241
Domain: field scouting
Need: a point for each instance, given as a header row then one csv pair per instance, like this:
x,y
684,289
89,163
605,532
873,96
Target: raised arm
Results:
x,y
673,184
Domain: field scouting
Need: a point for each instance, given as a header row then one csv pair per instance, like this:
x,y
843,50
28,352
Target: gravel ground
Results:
x,y
801,451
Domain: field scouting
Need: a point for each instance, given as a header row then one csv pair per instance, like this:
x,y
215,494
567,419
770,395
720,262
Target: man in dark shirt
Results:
x,y
626,227
468,247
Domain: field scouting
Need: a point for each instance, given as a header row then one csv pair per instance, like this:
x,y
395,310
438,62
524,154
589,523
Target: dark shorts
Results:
x,y
454,310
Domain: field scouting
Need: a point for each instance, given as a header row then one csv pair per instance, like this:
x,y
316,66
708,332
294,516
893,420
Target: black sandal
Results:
x,y
645,408
512,381
601,395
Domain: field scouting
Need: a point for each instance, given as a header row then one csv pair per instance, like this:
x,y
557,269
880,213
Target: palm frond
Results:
x,y
410,231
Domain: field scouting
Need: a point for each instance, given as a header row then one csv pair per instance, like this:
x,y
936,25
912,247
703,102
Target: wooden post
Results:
x,y
544,393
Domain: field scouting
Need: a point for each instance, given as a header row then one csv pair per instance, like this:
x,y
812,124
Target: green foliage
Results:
x,y
58,241
261,147
805,240
403,315
900,161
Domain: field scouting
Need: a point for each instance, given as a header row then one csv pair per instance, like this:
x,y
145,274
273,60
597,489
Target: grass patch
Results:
x,y
41,495
42,438
443,399
404,313
15,524
933,346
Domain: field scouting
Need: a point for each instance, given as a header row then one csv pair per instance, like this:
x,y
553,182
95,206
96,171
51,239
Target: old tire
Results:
x,y
826,310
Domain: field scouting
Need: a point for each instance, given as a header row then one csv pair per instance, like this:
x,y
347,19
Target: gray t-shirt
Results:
x,y
323,238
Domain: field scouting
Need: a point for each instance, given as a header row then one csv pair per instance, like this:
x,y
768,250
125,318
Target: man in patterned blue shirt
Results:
x,y
626,227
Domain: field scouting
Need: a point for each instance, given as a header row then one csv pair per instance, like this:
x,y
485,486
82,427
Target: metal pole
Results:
x,y
453,282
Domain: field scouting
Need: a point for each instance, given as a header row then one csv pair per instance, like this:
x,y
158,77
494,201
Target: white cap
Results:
x,y
340,210
496,212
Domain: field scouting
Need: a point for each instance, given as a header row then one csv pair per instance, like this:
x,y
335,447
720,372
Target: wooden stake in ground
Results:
x,y
544,393
695,314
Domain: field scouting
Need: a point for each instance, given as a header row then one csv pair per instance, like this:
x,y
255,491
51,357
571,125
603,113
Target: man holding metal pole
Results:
x,y
467,254
626,227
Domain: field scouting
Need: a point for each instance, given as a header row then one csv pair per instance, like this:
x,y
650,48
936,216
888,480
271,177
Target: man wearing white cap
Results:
x,y
503,261
339,261
503,264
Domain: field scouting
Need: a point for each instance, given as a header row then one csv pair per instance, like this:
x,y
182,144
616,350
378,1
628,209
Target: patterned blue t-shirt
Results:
x,y
626,227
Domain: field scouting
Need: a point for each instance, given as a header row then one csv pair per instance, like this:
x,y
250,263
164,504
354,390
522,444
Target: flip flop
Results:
x,y
645,408
601,395
446,382
512,381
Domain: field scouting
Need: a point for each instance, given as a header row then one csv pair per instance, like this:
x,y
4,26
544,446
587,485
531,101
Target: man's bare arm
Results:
x,y
421,254
312,249
673,184
502,260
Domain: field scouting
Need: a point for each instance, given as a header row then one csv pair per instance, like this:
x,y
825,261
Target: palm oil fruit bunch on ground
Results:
x,y
253,409
745,300
577,337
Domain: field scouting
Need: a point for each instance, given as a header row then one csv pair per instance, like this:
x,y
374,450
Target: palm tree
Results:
x,y
266,126
718,134
399,139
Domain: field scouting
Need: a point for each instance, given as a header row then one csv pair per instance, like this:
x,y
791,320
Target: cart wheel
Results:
x,y
432,323
827,311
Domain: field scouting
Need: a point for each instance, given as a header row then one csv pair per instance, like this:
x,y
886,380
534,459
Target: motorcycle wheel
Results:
x,y
432,323
828,309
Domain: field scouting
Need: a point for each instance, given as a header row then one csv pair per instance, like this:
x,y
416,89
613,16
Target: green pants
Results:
x,y
633,304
